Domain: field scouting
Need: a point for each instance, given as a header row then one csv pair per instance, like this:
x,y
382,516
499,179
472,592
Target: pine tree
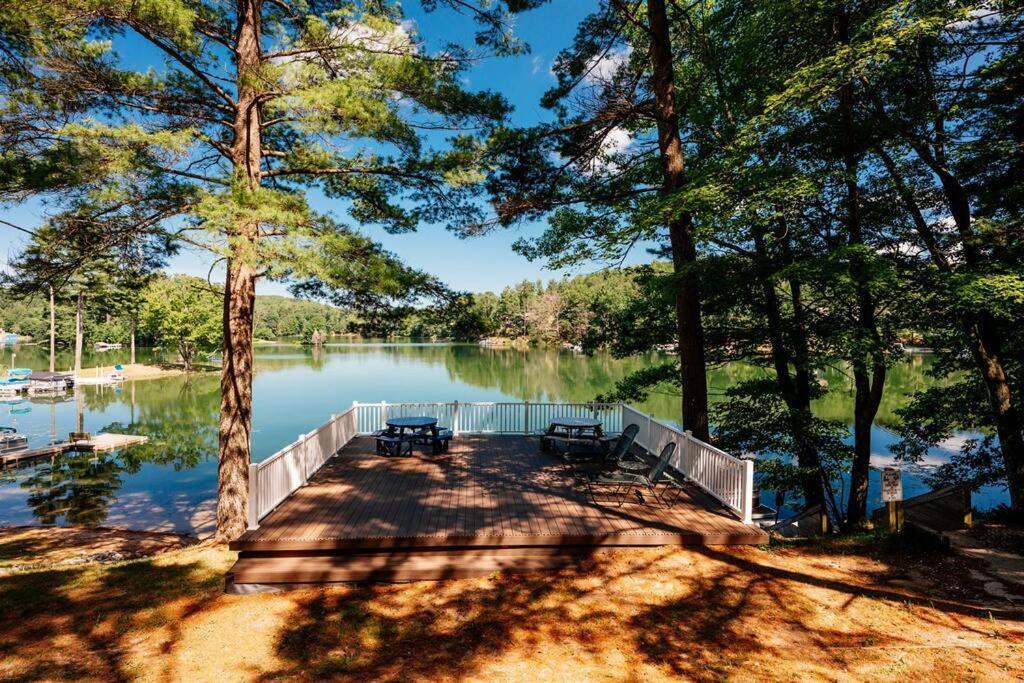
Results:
x,y
255,101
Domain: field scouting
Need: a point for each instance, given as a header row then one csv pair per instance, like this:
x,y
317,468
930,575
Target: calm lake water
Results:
x,y
170,483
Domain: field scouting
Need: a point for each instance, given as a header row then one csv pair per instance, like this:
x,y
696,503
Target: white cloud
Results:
x,y
601,70
614,143
536,64
398,40
617,140
979,15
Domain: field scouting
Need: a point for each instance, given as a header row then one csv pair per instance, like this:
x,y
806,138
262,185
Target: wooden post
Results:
x,y
456,426
526,417
254,513
894,514
968,518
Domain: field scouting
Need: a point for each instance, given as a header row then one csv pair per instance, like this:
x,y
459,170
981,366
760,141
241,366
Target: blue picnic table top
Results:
x,y
412,422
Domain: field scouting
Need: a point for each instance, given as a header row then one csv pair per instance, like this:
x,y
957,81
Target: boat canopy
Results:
x,y
49,377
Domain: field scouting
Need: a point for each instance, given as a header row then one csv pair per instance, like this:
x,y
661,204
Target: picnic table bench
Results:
x,y
422,430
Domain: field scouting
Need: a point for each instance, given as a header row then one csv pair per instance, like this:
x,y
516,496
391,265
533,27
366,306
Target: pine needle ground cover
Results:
x,y
850,610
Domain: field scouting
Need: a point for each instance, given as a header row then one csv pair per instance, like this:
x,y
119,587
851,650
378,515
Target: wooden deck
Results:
x,y
490,503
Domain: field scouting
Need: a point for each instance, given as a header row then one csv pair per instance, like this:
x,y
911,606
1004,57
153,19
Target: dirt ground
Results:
x,y
848,610
31,547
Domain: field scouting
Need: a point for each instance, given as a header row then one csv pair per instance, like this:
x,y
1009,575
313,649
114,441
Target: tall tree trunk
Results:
x,y
793,390
869,368
240,292
985,337
78,334
53,333
135,324
689,326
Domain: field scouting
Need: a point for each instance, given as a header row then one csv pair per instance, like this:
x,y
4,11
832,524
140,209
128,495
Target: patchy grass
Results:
x,y
851,609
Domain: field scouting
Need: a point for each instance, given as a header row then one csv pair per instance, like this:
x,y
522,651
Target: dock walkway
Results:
x,y
97,443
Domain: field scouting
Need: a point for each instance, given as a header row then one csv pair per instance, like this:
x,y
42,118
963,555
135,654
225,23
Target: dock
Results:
x,y
99,443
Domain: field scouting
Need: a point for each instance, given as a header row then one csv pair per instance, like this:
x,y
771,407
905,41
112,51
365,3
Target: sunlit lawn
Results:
x,y
813,612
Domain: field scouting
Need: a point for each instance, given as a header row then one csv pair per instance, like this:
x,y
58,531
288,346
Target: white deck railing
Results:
x,y
488,417
277,477
727,478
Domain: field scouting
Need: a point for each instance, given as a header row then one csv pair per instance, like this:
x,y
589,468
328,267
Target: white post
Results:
x,y
650,421
254,496
456,427
688,453
383,415
300,448
335,446
748,492
526,417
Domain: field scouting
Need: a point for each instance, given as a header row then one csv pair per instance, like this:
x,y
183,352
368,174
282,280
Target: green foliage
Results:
x,y
853,174
938,414
183,312
280,316
574,310
754,419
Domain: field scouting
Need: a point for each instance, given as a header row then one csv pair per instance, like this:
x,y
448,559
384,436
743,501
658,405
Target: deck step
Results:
x,y
392,566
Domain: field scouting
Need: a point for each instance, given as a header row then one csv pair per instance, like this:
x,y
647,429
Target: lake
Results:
x,y
170,483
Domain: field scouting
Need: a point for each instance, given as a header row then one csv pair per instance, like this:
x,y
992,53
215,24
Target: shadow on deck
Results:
x,y
491,503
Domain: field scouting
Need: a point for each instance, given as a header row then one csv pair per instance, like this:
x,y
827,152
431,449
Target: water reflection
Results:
x,y
75,488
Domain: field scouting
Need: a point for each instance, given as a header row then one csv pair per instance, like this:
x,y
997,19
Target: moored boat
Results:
x,y
50,381
11,440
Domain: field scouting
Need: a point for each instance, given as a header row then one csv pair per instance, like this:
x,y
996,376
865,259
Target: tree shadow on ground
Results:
x,y
701,614
77,623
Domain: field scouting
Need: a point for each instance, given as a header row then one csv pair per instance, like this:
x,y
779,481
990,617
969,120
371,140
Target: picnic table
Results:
x,y
406,431
573,431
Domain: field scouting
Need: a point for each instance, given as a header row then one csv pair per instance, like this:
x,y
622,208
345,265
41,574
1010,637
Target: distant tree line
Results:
x,y
105,318
573,310
282,316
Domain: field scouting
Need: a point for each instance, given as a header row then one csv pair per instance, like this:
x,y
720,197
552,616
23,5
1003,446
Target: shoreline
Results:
x,y
144,371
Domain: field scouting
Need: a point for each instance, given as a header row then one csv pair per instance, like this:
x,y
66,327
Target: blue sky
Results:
x,y
476,264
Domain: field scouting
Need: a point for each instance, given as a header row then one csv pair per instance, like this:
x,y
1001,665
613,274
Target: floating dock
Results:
x,y
98,443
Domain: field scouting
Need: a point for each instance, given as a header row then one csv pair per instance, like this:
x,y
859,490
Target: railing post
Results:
x,y
254,495
650,421
335,447
383,415
748,492
526,417
305,458
456,427
688,453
